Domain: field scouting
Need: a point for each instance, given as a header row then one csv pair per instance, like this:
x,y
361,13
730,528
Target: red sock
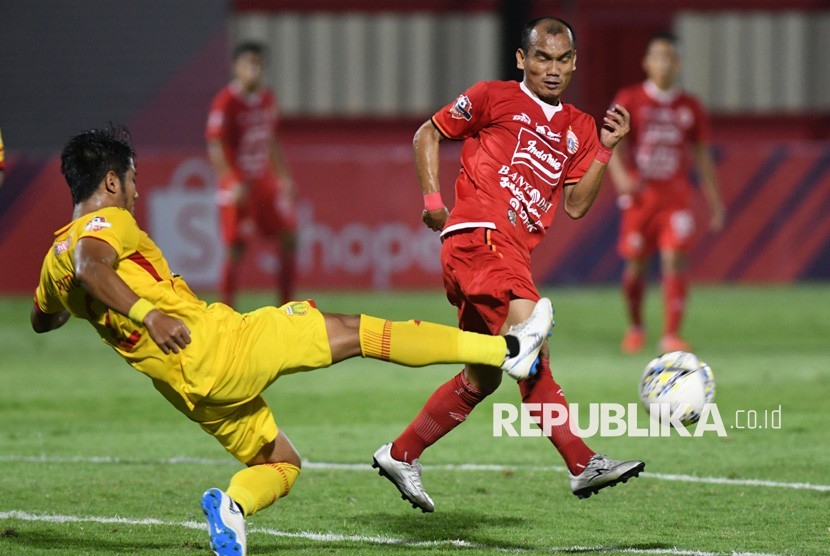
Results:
x,y
633,288
675,289
227,283
288,273
542,389
447,408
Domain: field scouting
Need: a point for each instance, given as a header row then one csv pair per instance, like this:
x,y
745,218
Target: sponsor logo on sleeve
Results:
x,y
62,246
97,224
462,109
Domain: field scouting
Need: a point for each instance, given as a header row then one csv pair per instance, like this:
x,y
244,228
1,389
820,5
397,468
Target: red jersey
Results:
x,y
245,124
518,153
665,125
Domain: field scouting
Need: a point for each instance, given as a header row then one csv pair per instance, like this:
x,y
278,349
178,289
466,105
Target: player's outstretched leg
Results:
x,y
531,334
405,476
226,524
602,472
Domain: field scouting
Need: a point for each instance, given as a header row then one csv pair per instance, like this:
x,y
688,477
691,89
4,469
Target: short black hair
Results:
x,y
248,46
554,26
667,36
88,156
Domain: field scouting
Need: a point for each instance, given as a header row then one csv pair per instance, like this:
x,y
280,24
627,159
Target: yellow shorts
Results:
x,y
271,342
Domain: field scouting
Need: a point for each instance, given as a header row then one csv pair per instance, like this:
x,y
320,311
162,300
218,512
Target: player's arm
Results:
x,y
278,162
427,162
623,181
95,270
580,197
709,183
226,171
44,322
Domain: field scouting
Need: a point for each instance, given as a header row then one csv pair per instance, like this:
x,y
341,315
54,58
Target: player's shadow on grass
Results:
x,y
482,530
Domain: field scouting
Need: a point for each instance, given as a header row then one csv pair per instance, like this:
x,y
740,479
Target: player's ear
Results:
x,y
111,182
520,59
574,59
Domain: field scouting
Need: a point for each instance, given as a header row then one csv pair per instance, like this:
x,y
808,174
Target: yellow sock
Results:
x,y
416,343
259,486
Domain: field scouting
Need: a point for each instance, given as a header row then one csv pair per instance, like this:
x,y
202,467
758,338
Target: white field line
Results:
x,y
379,540
182,460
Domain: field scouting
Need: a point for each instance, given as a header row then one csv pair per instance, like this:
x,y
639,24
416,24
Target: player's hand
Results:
x,y
615,125
169,333
435,219
238,192
285,203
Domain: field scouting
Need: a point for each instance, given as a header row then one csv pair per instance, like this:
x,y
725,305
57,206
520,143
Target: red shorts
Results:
x,y
260,212
647,227
482,273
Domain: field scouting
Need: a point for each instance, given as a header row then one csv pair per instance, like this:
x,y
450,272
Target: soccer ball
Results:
x,y
682,381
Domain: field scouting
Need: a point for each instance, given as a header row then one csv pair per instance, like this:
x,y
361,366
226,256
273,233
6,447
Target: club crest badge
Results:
x,y
572,142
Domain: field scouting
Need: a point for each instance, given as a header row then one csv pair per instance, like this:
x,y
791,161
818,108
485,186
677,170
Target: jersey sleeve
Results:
x,y
217,117
45,299
114,226
466,115
587,142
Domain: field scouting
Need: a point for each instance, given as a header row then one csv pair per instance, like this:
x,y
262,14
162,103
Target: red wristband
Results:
x,y
604,154
432,201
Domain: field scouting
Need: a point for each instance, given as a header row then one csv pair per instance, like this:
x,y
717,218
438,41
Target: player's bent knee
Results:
x,y
483,378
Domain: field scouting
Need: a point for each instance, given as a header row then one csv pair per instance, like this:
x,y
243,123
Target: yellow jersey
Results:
x,y
140,263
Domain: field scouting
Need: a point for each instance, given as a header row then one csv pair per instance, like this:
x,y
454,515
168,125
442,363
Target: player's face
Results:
x,y
129,192
548,64
661,63
248,70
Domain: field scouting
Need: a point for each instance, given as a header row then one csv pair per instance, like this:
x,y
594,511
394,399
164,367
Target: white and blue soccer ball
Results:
x,y
680,380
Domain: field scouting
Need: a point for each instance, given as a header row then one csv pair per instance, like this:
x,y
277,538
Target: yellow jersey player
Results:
x,y
209,361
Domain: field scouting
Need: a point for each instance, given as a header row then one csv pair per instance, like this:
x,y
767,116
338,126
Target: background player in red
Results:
x,y
523,150
669,135
256,192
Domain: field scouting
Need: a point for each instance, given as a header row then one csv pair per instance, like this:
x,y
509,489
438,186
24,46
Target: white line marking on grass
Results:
x,y
380,540
182,460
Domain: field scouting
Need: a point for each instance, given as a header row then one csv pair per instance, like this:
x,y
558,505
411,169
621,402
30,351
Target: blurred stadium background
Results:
x,y
356,77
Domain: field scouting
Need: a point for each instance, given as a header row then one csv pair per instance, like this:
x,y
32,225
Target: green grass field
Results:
x,y
94,461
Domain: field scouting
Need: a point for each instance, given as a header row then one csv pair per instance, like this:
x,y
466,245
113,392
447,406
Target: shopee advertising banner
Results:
x,y
359,211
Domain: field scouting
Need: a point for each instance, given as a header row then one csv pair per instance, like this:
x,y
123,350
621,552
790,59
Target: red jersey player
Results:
x,y
256,191
669,134
524,151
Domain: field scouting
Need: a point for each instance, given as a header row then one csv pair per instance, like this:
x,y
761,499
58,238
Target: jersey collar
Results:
x,y
247,98
548,109
658,94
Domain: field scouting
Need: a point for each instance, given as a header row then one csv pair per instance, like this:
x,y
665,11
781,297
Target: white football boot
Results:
x,y
531,334
602,472
226,524
405,476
